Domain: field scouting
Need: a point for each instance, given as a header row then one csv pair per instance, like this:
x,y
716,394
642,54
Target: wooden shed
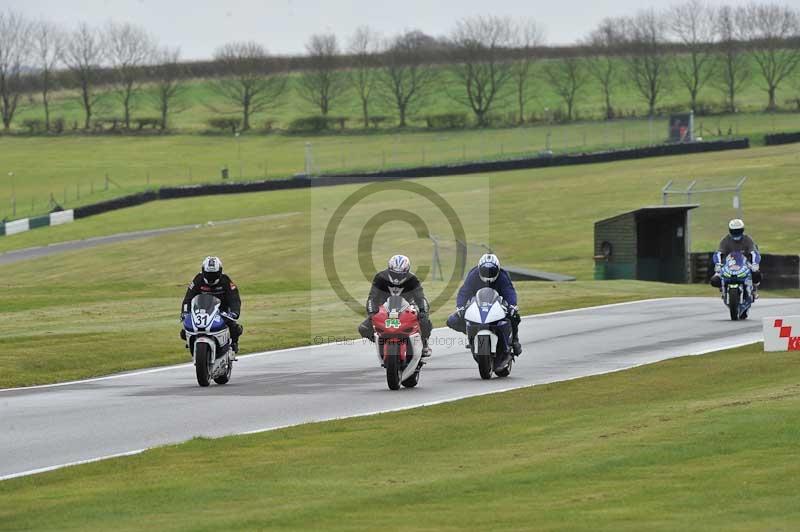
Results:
x,y
649,244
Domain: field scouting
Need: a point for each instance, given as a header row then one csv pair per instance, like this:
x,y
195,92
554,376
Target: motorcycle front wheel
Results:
x,y
202,355
484,357
393,369
733,303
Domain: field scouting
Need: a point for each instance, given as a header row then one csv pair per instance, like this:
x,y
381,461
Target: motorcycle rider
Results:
x,y
488,273
212,281
736,240
397,279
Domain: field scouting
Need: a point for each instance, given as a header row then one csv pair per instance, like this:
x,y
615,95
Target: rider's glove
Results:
x,y
513,311
183,316
754,267
460,311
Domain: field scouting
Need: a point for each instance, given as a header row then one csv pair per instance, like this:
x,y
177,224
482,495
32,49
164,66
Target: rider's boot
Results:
x,y
235,349
426,350
516,347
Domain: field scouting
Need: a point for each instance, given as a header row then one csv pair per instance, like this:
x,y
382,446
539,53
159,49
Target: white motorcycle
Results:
x,y
489,333
209,339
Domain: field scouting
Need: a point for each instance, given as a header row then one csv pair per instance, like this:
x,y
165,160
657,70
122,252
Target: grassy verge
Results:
x,y
72,170
699,442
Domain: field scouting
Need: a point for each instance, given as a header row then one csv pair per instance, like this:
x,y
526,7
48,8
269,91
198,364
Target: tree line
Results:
x,y
488,59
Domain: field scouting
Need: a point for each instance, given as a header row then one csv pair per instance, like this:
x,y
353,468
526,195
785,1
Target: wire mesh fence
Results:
x,y
37,187
720,199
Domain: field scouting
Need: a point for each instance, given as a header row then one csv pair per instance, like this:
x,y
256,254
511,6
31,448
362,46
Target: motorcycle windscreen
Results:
x,y
483,308
735,266
396,303
204,310
486,296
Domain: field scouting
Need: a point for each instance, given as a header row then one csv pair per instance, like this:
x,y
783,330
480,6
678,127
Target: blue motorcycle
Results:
x,y
489,333
737,285
208,337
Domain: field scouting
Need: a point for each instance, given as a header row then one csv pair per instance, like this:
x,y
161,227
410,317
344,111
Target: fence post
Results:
x,y
309,160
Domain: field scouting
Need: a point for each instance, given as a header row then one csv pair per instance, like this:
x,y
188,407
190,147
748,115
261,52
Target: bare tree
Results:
x,y
15,32
83,56
249,79
603,64
647,59
406,77
693,25
169,84
128,49
567,76
527,38
771,30
734,70
362,74
49,43
480,46
322,82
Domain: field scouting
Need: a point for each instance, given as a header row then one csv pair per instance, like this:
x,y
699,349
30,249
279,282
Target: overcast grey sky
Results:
x,y
200,26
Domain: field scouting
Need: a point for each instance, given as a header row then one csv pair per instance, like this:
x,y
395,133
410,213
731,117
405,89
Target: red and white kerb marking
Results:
x,y
782,333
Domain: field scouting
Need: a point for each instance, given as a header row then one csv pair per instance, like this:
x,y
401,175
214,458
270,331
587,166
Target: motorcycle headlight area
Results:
x,y
222,337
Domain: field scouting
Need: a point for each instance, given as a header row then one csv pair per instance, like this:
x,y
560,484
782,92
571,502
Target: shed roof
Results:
x,y
653,210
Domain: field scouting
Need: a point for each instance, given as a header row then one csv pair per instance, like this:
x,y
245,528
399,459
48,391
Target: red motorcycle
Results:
x,y
399,342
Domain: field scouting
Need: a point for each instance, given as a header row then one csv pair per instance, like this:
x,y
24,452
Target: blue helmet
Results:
x,y
489,268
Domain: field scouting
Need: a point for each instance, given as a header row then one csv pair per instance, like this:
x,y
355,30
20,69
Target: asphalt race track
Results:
x,y
19,255
51,426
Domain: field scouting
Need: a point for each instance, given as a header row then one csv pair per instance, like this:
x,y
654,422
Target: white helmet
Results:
x,y
736,228
211,270
399,269
489,268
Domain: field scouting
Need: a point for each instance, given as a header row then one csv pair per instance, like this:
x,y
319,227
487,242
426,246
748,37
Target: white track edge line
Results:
x,y
289,349
377,412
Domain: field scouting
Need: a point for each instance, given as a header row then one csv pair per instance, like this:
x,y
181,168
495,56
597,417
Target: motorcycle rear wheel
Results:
x,y
484,357
506,371
201,358
413,380
393,369
733,303
223,379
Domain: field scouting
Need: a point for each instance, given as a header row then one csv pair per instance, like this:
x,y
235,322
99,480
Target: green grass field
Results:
x,y
692,443
73,302
73,169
